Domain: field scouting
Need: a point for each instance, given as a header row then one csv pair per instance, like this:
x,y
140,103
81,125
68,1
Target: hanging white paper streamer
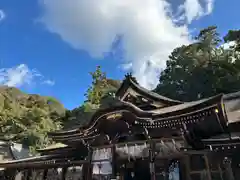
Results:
x,y
102,154
168,148
133,150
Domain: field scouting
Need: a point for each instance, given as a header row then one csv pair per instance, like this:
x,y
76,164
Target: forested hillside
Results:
x,y
27,118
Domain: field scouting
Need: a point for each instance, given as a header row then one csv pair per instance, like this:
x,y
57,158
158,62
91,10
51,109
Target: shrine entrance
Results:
x,y
136,170
142,170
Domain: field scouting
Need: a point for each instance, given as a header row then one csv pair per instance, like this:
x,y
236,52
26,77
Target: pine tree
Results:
x,y
96,91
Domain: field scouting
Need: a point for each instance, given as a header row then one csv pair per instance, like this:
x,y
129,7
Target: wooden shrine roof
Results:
x,y
54,146
12,150
188,107
224,108
56,149
142,116
130,83
175,109
66,131
46,161
5,163
231,102
206,117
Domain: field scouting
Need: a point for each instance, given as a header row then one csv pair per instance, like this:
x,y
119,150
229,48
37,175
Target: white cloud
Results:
x,y
49,82
126,67
209,6
2,15
194,10
20,75
147,28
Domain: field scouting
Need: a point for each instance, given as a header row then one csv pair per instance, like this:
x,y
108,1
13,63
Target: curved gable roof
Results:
x,y
130,82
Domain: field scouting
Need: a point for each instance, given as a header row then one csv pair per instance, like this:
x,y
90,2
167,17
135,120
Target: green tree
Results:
x,y
233,36
201,69
99,83
96,97
100,88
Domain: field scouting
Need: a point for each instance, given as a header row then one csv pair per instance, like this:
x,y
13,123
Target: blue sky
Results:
x,y
49,47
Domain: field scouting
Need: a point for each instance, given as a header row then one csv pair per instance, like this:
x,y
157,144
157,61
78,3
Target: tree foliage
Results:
x,y
27,118
233,36
97,96
96,90
203,68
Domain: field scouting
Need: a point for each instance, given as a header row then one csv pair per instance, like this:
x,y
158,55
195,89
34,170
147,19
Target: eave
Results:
x,y
77,138
46,161
160,115
64,132
41,164
129,83
56,150
169,117
78,134
187,108
4,164
174,117
228,143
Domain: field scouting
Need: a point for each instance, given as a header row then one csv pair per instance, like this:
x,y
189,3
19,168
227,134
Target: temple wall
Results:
x,y
201,167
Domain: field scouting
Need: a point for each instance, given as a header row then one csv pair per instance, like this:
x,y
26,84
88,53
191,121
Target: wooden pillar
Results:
x,y
220,171
235,165
114,163
209,177
90,166
84,171
90,169
152,160
64,172
45,173
29,174
228,167
184,168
